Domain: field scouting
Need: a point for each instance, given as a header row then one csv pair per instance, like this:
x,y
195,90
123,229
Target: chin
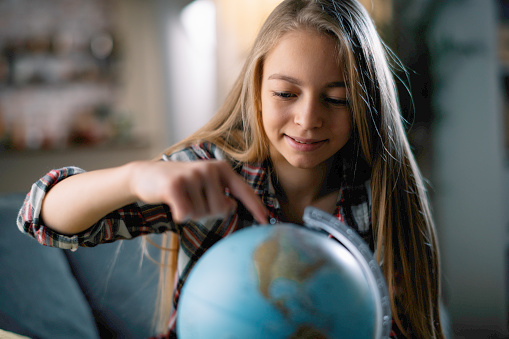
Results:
x,y
301,161
304,163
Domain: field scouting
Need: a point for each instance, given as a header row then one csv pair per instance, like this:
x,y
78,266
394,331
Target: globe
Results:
x,y
282,281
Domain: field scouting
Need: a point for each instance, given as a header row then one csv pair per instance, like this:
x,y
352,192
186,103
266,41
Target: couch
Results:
x,y
107,291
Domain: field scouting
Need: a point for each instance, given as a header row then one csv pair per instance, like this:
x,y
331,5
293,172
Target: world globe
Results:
x,y
286,281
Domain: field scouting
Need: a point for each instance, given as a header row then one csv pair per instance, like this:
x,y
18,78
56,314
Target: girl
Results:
x,y
313,119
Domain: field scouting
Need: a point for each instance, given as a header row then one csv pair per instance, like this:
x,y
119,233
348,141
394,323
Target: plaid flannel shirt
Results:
x,y
353,208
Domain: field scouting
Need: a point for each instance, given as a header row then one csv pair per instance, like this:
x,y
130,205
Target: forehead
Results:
x,y
305,53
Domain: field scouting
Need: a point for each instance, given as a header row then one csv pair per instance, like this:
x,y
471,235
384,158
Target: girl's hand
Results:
x,y
194,190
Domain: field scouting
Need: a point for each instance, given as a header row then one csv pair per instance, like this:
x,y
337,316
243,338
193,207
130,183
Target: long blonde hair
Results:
x,y
405,242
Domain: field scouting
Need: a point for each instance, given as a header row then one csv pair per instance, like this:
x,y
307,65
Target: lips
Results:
x,y
305,141
304,145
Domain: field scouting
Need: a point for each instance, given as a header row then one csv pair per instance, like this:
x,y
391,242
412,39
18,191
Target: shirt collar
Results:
x,y
257,175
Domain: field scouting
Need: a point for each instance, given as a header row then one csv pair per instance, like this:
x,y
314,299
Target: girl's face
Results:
x,y
304,100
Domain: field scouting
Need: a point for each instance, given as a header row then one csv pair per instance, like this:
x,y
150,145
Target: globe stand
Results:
x,y
319,220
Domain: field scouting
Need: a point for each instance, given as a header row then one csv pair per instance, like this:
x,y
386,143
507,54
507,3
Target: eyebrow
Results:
x,y
295,81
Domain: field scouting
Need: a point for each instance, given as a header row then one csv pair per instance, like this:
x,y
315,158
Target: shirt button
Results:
x,y
272,221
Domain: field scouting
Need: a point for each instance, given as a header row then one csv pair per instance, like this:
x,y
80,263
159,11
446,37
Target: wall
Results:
x,y
469,182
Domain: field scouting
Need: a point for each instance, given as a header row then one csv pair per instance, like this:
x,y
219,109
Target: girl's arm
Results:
x,y
79,201
192,190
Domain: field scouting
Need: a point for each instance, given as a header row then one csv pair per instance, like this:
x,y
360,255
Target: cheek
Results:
x,y
343,126
272,116
266,121
270,124
349,123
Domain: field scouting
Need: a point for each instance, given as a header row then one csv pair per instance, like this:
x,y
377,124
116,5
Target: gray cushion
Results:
x,y
121,286
39,296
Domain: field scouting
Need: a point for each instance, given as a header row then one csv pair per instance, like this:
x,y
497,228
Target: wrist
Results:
x,y
131,172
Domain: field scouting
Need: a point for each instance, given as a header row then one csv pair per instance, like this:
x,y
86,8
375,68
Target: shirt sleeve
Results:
x,y
125,223
29,221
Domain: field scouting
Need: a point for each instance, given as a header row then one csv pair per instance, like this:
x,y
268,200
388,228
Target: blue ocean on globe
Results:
x,y
277,281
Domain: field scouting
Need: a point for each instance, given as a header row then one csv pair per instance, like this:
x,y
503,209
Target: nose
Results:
x,y
308,113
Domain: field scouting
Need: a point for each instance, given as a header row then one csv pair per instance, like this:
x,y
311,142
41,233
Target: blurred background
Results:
x,y
98,83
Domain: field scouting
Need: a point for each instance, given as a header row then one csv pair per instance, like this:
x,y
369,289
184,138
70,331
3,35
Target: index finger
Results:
x,y
242,191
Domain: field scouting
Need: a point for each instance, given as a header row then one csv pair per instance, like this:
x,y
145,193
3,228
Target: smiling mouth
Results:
x,y
306,141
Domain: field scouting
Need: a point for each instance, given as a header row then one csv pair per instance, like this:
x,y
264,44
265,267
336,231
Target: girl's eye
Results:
x,y
336,102
284,95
